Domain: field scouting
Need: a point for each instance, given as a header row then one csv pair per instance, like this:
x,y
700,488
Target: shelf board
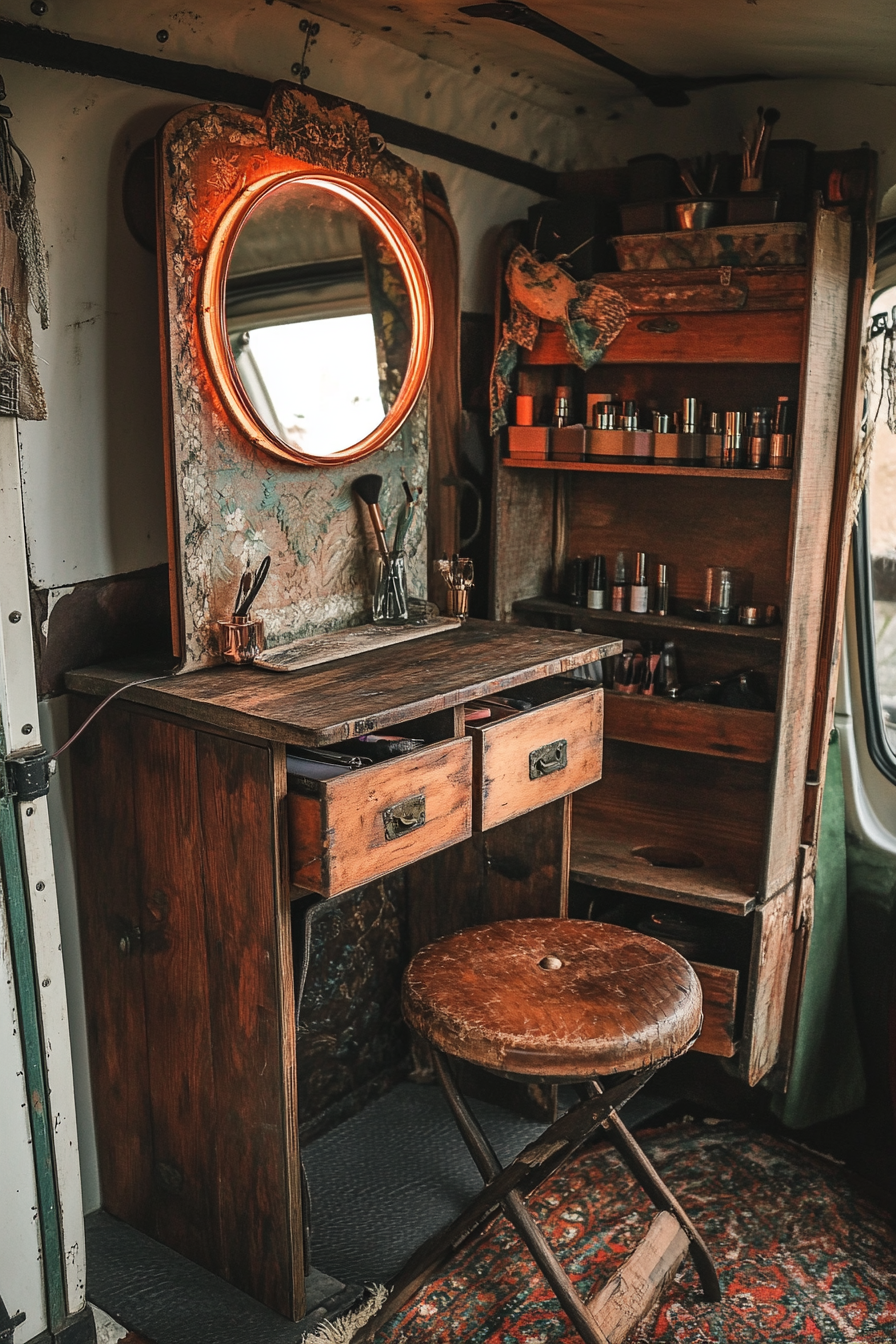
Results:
x,y
547,606
682,725
601,862
654,469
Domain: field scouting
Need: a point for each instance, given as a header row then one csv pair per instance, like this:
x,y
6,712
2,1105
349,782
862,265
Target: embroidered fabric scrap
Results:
x,y
590,315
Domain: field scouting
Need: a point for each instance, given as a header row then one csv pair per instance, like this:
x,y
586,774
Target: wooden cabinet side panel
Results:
x,y
810,521
175,979
109,910
523,537
773,934
247,933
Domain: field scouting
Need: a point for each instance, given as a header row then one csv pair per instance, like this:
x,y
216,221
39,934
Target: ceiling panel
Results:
x,y
785,39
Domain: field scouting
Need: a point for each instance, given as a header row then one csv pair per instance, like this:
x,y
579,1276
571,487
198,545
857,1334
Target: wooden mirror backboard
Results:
x,y
232,497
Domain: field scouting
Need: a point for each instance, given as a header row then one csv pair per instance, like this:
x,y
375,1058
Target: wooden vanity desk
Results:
x,y
193,847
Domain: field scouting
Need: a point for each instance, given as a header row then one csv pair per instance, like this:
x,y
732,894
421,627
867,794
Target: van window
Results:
x,y
875,551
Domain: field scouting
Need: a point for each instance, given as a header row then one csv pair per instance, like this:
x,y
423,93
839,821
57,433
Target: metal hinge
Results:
x,y
8,1323
28,775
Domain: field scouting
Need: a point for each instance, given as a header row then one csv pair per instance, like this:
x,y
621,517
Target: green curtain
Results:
x,y
828,1077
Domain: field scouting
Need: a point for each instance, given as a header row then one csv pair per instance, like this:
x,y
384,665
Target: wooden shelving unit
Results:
x,y
613,865
550,607
682,725
700,804
652,469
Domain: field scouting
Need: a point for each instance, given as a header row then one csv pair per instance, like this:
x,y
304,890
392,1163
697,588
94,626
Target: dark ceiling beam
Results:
x,y
33,45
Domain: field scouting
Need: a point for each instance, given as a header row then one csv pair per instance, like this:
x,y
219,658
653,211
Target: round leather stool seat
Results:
x,y
553,998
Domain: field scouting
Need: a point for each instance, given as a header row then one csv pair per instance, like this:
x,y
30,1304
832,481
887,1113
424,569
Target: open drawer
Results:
x,y
525,758
358,827
719,984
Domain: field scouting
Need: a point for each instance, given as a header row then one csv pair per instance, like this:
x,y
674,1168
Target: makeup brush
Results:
x,y
242,592
261,574
770,118
368,488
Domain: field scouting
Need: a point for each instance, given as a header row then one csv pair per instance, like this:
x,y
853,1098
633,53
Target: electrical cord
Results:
x,y
129,685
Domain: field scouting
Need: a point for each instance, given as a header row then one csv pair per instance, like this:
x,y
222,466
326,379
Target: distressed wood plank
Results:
x,y
711,730
248,941
773,938
361,694
638,1284
109,909
176,992
698,338
808,543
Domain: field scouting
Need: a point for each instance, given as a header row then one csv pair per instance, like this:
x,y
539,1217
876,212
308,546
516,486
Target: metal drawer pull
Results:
x,y
405,816
663,326
545,760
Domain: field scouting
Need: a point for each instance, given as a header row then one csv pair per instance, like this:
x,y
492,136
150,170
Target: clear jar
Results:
x,y
390,589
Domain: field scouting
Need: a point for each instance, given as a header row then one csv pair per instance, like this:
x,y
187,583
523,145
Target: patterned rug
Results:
x,y
800,1255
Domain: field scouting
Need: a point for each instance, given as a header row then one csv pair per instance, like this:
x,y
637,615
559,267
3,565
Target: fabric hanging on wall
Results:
x,y
828,1076
23,277
589,314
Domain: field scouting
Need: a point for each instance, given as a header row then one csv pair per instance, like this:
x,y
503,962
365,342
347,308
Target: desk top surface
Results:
x,y
327,704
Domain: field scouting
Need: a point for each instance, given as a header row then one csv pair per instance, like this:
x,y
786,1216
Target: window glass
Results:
x,y
876,554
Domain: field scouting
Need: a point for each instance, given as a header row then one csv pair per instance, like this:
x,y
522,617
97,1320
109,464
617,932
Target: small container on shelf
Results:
x,y
727,589
568,443
680,443
753,207
734,440
714,433
780,452
597,583
760,432
528,442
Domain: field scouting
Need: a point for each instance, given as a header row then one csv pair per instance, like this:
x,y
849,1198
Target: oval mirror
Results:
x,y
316,316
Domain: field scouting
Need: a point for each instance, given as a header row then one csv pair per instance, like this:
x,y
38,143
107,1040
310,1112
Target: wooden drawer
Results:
x,y
719,985
514,766
350,832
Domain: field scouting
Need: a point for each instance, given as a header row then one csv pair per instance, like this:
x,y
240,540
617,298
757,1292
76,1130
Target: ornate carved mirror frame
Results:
x,y
235,493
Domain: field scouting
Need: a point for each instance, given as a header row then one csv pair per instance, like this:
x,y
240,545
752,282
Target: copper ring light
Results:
x,y
214,331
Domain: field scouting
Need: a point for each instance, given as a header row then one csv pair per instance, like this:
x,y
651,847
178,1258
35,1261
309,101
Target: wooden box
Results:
x,y
530,758
369,822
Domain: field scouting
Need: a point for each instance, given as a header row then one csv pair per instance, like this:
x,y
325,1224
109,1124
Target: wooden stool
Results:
x,y
559,1001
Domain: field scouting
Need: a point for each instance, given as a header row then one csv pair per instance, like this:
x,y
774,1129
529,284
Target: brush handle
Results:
x,y
379,528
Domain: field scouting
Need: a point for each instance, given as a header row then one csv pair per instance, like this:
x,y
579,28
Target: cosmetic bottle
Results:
x,y
640,589
780,453
597,584
620,584
576,580
661,596
714,440
560,416
760,430
669,675
734,442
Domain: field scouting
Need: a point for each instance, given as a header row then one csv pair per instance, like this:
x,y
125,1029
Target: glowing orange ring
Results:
x,y
214,331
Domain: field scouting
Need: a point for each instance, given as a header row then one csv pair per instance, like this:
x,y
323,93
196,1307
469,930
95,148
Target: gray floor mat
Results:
x,y
381,1183
158,1293
389,1177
